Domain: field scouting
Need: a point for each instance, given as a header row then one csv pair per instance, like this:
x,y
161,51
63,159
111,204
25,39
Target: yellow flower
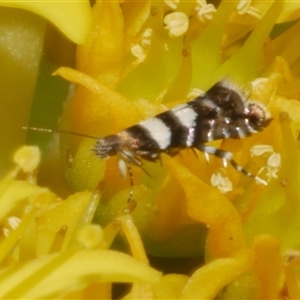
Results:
x,y
22,38
141,57
73,18
55,242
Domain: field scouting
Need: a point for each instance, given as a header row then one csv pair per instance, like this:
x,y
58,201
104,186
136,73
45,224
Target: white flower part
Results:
x,y
254,12
274,161
172,3
221,182
146,38
177,23
27,158
140,50
258,85
259,81
13,222
259,150
205,11
244,7
5,232
273,165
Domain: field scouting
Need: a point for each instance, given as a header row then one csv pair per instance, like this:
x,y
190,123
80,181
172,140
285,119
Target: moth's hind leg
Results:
x,y
227,156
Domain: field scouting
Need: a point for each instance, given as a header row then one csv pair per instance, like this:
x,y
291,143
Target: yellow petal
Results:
x,y
105,46
67,215
53,275
211,208
14,192
170,286
207,281
21,45
268,265
291,11
73,18
292,283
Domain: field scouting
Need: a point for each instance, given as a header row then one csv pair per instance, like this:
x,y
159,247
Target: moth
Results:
x,y
220,113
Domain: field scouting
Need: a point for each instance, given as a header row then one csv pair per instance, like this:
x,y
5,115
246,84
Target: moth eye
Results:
x,y
256,115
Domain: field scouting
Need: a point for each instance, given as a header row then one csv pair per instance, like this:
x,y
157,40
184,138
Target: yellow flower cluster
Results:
x,y
50,249
139,58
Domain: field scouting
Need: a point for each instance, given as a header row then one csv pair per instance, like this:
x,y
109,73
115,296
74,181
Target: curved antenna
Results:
x,y
59,131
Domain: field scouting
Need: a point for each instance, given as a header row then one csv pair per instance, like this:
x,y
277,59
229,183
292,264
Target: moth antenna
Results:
x,y
59,131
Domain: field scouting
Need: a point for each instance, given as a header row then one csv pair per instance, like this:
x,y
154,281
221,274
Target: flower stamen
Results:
x,y
244,7
205,11
177,23
172,3
221,181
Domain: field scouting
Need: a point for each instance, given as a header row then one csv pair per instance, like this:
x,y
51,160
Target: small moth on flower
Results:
x,y
220,113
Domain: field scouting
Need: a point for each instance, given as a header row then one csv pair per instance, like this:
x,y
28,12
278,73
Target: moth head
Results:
x,y
106,146
257,116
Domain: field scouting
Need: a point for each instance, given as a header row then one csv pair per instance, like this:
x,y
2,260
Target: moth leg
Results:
x,y
228,156
130,158
125,160
195,153
124,166
130,198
